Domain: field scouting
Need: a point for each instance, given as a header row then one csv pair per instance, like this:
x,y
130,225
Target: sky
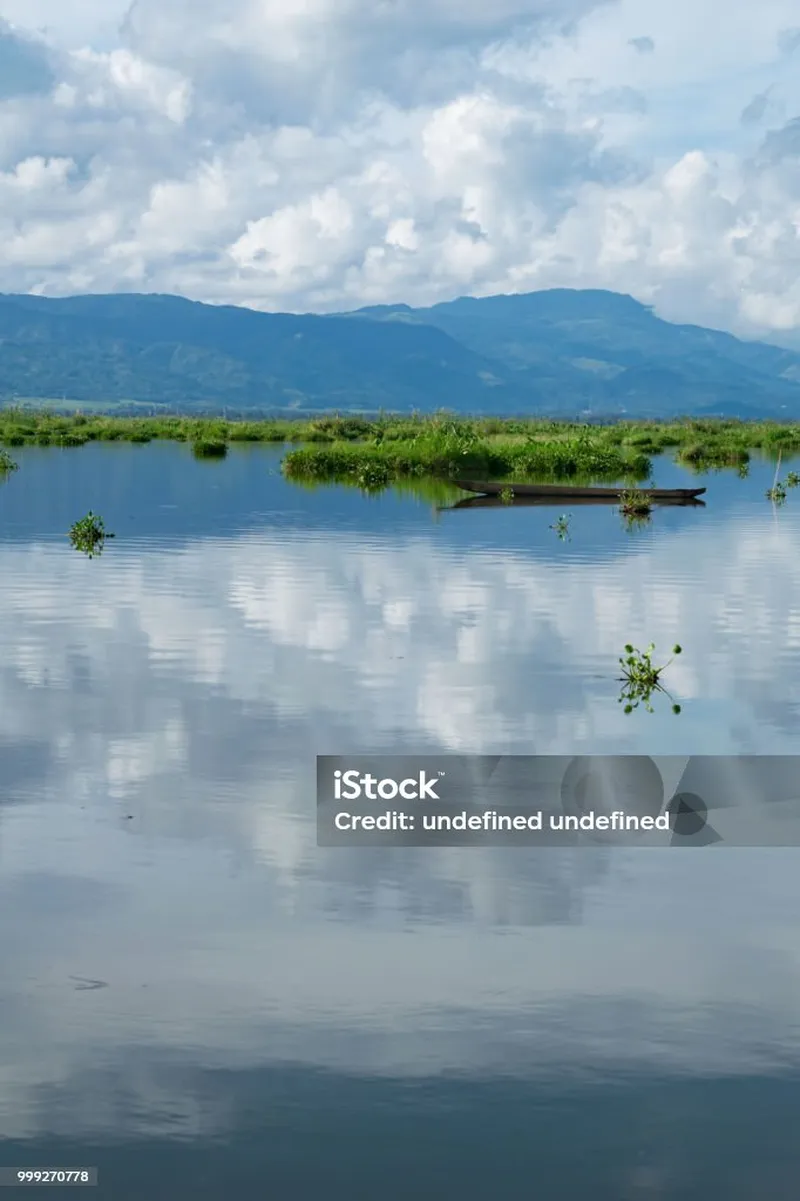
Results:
x,y
319,155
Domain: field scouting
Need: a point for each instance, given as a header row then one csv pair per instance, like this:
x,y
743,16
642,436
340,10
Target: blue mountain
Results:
x,y
562,352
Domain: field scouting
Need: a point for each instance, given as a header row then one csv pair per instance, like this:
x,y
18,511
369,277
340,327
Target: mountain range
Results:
x,y
560,352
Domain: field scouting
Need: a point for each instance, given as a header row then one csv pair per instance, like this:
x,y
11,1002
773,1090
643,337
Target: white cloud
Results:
x,y
309,155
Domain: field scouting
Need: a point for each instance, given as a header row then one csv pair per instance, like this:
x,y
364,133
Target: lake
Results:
x,y
203,1004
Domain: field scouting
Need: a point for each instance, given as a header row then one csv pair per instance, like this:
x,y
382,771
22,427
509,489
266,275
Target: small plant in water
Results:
x,y
792,479
507,496
6,462
641,678
209,448
89,534
561,526
635,503
777,493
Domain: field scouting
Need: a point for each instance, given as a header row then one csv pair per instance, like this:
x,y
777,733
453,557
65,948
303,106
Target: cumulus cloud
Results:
x,y
323,155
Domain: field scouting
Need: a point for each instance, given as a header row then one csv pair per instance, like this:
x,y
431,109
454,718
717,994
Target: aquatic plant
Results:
x,y
635,503
506,496
561,526
209,448
6,462
713,453
451,454
792,479
89,535
705,441
641,678
373,478
777,493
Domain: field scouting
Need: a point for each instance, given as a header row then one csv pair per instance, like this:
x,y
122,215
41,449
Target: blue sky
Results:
x,y
322,154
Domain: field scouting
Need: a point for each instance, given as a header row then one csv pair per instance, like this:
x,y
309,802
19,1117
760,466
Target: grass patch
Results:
x,y
450,450
711,455
209,448
373,452
635,503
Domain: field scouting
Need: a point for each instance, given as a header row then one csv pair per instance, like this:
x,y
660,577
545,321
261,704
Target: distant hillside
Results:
x,y
168,350
560,352
614,353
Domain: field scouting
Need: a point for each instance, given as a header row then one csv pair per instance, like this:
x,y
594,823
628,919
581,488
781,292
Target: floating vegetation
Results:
x,y
6,462
777,493
780,488
506,496
635,503
89,535
713,454
454,451
373,478
210,448
353,447
641,678
704,441
561,527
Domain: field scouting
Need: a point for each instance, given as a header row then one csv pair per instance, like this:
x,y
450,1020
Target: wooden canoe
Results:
x,y
541,502
571,491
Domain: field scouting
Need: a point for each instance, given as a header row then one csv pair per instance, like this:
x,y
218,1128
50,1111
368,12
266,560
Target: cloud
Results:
x,y
788,40
324,155
644,45
755,110
25,67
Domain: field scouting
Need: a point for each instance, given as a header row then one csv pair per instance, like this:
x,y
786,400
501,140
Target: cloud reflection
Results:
x,y
162,836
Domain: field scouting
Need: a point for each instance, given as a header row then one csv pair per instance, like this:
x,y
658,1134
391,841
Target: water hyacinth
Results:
x,y
641,678
89,535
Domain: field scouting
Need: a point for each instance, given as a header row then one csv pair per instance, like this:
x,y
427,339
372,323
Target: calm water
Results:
x,y
200,1002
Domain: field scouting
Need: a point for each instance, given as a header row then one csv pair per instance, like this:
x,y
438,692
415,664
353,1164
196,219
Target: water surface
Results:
x,y
199,1001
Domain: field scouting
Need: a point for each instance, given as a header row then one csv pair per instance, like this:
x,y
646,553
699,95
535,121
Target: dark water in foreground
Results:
x,y
200,1002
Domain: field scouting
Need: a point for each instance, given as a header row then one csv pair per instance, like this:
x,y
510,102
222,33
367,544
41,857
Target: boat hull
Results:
x,y
572,492
577,502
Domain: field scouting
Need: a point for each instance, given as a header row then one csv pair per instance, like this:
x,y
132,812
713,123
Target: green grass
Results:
x,y
449,449
377,452
209,448
635,503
